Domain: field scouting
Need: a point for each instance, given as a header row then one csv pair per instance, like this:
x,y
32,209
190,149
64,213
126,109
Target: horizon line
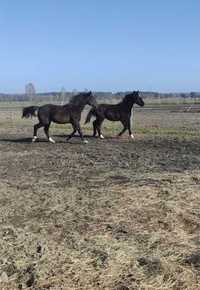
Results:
x,y
104,91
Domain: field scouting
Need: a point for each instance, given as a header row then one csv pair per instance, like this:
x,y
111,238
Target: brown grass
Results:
x,y
112,215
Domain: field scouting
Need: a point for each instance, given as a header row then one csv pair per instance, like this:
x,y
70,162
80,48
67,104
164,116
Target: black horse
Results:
x,y
118,112
69,113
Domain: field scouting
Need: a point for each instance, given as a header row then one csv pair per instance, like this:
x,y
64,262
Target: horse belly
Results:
x,y
61,118
113,116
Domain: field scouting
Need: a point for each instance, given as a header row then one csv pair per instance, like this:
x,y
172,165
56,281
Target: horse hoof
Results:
x,y
101,136
51,140
34,138
132,136
85,141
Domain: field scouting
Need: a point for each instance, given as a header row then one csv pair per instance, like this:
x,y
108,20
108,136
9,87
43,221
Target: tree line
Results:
x,y
101,96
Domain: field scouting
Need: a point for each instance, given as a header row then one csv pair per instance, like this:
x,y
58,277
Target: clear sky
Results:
x,y
100,45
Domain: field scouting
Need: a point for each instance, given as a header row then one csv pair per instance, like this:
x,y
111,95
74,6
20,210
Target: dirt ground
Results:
x,y
114,214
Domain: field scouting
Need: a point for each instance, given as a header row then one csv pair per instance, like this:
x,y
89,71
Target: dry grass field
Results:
x,y
114,214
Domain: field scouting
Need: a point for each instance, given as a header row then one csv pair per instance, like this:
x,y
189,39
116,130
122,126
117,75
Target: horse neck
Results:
x,y
128,106
81,107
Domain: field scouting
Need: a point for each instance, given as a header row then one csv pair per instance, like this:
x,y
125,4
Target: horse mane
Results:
x,y
80,99
129,95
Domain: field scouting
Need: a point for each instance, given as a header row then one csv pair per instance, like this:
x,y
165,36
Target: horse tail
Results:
x,y
31,111
89,115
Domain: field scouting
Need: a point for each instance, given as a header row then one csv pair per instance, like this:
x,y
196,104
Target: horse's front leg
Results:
x,y
122,132
130,131
76,127
98,127
94,128
81,134
72,134
46,130
125,125
36,127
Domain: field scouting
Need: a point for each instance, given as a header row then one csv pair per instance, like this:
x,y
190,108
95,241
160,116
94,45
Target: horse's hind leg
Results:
x,y
46,130
36,127
77,127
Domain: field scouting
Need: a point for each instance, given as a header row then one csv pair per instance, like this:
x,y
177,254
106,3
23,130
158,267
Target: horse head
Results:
x,y
133,98
90,99
138,100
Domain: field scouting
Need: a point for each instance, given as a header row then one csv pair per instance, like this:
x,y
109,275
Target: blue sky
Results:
x,y
109,45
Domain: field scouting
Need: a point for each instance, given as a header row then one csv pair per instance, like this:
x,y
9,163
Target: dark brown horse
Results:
x,y
118,112
69,113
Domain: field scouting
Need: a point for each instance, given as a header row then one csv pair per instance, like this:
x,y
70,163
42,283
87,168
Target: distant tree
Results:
x,y
74,92
30,91
63,95
192,95
183,96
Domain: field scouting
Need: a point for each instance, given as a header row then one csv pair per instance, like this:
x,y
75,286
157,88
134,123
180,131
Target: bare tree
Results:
x,y
30,91
74,92
63,95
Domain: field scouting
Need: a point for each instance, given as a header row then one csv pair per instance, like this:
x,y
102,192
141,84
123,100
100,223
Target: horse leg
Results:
x,y
98,127
46,131
130,131
122,131
36,127
94,128
124,123
72,134
77,127
81,134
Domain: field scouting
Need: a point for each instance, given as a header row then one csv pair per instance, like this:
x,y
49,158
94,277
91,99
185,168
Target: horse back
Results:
x,y
54,113
111,112
114,112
